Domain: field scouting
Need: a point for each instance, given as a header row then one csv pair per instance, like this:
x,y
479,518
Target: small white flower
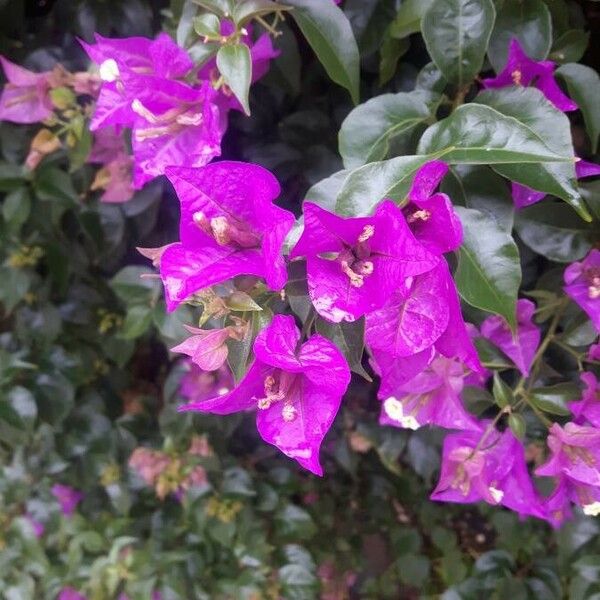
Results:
x,y
395,410
592,510
497,494
109,70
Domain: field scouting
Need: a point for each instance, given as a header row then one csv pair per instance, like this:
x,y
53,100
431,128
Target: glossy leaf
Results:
x,y
553,399
570,46
583,84
489,272
367,131
235,65
478,134
530,107
456,34
502,393
329,33
527,20
554,231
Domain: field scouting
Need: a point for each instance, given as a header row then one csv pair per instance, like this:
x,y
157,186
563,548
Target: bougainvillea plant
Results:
x,y
447,265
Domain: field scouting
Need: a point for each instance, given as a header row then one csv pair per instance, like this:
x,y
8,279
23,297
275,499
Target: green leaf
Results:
x,y
408,18
349,338
553,230
328,31
223,8
137,321
294,523
583,84
503,395
16,208
478,134
476,186
390,52
531,108
10,415
456,34
517,425
489,272
367,131
527,20
570,46
430,78
250,9
207,25
553,399
363,188
136,285
235,65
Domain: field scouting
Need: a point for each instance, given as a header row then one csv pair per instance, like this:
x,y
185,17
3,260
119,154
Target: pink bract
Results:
x,y
295,389
582,284
229,226
354,264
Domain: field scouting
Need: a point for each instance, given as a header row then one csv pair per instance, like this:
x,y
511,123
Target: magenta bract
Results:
x,y
588,408
496,472
522,70
521,346
67,497
295,389
353,265
25,97
582,284
229,226
430,398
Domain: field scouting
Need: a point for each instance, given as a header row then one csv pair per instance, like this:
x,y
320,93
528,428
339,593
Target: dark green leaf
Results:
x,y
328,31
554,231
478,134
456,34
553,399
570,46
349,338
408,18
502,393
527,20
517,425
489,272
531,108
16,208
479,187
366,132
294,523
390,52
583,84
235,65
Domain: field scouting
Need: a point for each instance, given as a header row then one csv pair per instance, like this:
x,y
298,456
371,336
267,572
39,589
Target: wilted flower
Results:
x,y
431,216
495,472
67,497
521,345
522,70
25,98
229,226
430,398
296,390
354,264
524,196
207,347
582,281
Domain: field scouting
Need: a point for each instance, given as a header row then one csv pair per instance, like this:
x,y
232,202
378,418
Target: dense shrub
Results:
x,y
455,143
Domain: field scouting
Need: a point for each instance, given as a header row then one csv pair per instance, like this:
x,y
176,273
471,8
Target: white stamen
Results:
x,y
497,494
592,510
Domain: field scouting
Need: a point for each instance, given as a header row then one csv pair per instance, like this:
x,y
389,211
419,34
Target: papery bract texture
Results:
x,y
431,216
296,391
353,265
495,472
522,70
575,453
25,97
521,346
229,226
430,398
582,284
588,408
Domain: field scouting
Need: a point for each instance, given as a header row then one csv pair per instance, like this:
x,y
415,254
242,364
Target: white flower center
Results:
x,y
109,70
497,494
395,410
592,510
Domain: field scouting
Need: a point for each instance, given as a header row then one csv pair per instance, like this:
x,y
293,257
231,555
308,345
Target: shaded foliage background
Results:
x,y
86,377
